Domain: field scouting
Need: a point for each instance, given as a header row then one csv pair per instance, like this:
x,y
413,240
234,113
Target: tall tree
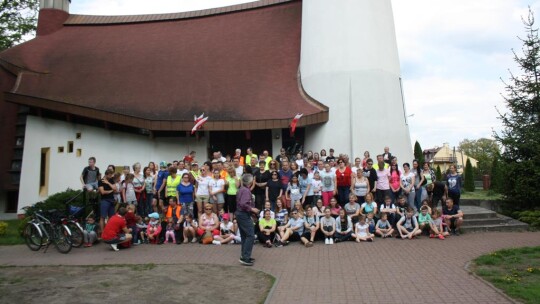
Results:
x,y
469,177
484,150
520,136
438,173
18,19
418,153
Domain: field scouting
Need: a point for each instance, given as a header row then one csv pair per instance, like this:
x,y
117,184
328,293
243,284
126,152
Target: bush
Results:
x,y
530,217
3,228
58,201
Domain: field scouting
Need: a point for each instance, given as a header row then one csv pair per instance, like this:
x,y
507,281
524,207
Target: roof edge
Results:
x,y
124,19
161,125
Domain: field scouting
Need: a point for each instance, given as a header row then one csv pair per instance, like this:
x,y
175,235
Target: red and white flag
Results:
x,y
294,122
199,122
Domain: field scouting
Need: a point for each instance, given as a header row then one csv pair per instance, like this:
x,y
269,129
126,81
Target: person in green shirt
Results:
x,y
267,227
424,219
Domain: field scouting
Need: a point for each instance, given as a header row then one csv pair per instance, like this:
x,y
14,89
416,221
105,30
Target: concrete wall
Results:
x,y
109,147
349,62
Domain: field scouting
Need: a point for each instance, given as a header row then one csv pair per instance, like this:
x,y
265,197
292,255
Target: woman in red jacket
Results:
x,y
343,176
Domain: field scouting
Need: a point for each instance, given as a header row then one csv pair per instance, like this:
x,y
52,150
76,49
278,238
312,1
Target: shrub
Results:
x,y
58,201
3,228
469,178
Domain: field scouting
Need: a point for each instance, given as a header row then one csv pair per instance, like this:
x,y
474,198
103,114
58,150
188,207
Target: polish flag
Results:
x,y
199,122
294,122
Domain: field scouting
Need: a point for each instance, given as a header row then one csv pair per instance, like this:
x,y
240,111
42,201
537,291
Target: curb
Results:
x,y
499,291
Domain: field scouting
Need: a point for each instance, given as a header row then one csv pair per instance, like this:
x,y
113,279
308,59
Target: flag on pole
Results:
x,y
294,122
199,122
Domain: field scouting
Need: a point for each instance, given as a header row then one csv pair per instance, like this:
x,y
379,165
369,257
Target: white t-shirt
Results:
x,y
181,172
272,214
327,179
202,185
217,185
316,185
239,170
362,230
226,228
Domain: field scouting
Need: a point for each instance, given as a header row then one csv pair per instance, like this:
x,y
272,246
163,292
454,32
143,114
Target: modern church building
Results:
x,y
125,89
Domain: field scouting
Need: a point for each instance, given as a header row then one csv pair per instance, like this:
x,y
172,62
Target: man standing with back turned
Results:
x,y
244,208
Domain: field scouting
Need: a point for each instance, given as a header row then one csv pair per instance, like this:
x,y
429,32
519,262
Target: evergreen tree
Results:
x,y
520,136
438,173
496,175
418,153
469,177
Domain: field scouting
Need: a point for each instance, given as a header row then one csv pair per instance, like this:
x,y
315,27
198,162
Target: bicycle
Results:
x,y
40,231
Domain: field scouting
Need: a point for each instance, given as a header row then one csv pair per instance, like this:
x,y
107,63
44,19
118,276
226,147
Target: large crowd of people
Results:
x,y
307,197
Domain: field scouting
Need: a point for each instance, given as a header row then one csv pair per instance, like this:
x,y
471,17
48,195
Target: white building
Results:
x,y
125,88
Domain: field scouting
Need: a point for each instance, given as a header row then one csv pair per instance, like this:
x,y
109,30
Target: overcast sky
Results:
x,y
452,53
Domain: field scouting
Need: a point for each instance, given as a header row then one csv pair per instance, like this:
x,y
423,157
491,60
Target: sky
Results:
x,y
454,57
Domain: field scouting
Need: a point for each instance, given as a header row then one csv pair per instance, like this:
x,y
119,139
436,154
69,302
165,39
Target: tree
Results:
x,y
18,18
496,175
520,136
484,150
438,173
418,153
469,177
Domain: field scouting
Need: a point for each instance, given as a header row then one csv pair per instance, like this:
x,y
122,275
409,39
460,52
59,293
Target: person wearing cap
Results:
x,y
226,231
245,207
159,183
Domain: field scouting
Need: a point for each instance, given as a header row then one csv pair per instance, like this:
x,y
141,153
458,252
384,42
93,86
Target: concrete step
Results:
x,y
483,221
473,212
505,227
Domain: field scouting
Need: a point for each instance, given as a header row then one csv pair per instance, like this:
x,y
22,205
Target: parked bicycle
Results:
x,y
41,231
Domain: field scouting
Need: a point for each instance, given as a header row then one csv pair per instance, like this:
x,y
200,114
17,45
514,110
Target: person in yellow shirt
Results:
x,y
250,155
267,159
380,160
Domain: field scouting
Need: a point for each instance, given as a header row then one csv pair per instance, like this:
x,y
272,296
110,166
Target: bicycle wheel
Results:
x,y
62,238
77,235
33,236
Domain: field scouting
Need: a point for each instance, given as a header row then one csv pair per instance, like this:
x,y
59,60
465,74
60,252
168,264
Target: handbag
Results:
x,y
207,238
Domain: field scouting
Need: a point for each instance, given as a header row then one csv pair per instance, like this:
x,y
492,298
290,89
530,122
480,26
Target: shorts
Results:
x,y
219,199
91,186
106,208
162,194
117,240
202,198
410,229
186,208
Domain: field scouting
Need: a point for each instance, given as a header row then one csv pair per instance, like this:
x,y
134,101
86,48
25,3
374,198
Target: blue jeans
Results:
x,y
245,224
343,194
418,198
148,204
106,208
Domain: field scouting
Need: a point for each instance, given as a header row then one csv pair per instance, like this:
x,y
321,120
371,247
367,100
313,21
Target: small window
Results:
x,y
44,172
70,147
79,152
61,149
78,135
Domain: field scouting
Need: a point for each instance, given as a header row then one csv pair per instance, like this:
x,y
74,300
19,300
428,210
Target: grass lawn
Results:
x,y
12,236
480,194
515,271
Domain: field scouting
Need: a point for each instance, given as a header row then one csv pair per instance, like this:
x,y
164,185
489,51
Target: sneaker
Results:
x,y
165,242
86,245
279,244
186,241
245,262
331,241
215,242
114,247
194,240
89,245
327,241
456,232
441,237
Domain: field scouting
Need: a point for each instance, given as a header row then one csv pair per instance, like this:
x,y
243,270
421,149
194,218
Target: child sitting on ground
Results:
x,y
169,233
141,228
90,234
154,227
407,226
226,234
384,228
424,219
361,231
437,226
426,204
190,228
370,220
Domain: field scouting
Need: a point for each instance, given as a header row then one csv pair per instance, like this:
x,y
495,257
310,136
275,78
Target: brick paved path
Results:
x,y
386,271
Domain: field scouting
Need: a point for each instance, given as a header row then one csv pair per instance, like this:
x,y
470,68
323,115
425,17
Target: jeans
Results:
x,y
89,236
245,224
418,198
342,237
380,194
148,205
411,199
343,195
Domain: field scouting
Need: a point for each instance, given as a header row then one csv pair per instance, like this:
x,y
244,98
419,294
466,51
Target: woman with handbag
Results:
x,y
208,225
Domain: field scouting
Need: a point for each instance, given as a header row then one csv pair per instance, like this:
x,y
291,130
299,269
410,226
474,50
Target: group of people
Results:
x,y
308,197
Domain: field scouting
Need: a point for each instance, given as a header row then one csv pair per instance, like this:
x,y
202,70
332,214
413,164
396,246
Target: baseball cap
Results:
x,y
163,164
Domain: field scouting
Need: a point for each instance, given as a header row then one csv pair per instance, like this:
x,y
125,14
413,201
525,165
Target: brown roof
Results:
x,y
238,67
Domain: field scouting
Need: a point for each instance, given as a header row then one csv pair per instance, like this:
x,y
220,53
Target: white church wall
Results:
x,y
349,62
108,147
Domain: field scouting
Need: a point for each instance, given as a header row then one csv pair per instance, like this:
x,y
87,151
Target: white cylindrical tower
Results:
x,y
349,62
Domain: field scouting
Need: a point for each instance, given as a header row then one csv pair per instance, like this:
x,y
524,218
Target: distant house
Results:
x,y
445,156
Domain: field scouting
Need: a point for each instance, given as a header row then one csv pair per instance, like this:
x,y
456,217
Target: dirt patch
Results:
x,y
134,284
